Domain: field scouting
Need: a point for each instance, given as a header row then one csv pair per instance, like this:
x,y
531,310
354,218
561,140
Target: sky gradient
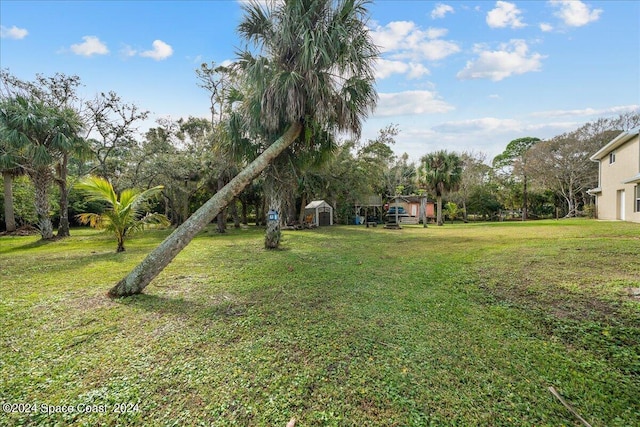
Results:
x,y
456,75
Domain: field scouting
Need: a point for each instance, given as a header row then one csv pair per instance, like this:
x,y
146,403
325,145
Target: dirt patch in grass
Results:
x,y
576,290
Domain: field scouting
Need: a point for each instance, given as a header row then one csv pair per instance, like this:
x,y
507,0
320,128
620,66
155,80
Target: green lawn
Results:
x,y
460,325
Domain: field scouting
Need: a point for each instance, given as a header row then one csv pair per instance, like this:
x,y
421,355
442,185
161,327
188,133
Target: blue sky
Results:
x,y
459,75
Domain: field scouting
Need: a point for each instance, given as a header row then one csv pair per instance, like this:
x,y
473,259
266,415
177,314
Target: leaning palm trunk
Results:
x,y
159,258
9,216
41,178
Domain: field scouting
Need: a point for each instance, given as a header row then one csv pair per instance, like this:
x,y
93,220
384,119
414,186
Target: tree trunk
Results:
x,y
63,227
303,203
525,203
465,218
274,196
257,209
41,179
234,213
273,233
160,257
9,216
244,212
423,211
439,213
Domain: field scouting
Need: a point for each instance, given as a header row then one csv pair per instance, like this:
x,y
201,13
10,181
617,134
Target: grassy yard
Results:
x,y
460,325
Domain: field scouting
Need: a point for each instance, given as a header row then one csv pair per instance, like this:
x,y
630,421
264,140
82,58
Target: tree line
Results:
x,y
271,143
67,139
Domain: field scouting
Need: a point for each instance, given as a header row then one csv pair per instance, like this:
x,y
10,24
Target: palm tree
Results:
x,y
124,214
41,134
441,172
10,169
452,210
314,68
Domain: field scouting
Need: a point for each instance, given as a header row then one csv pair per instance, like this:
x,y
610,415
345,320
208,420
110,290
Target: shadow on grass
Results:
x,y
36,244
222,305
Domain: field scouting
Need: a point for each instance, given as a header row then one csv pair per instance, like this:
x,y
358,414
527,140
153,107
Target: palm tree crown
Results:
x,y
315,62
441,172
36,135
124,214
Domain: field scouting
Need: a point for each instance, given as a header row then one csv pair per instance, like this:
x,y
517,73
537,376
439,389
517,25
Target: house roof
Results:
x,y
616,142
594,191
633,180
409,199
317,204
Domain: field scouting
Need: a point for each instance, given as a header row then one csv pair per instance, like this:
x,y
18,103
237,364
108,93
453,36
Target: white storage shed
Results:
x,y
319,213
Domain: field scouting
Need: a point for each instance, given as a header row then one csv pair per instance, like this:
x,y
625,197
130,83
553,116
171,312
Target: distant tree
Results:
x,y
441,171
40,134
376,158
111,123
314,68
514,158
10,168
562,164
125,213
483,201
475,173
58,92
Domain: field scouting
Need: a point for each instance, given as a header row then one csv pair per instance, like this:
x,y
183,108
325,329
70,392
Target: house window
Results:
x,y
612,157
637,198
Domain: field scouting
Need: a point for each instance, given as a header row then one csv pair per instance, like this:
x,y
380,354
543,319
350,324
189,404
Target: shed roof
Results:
x,y
317,204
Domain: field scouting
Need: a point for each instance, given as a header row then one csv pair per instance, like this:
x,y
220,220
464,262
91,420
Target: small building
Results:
x,y
412,205
369,209
618,191
318,213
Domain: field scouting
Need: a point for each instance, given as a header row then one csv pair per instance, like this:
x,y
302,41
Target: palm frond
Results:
x,y
98,189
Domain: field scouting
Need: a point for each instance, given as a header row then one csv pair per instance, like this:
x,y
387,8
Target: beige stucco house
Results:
x,y
618,192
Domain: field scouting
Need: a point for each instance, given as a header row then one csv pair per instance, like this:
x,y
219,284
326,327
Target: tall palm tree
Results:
x,y
40,133
125,212
441,171
10,168
314,67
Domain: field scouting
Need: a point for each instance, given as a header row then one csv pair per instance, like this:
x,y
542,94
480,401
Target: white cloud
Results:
x,y
574,13
405,47
385,68
511,59
417,70
504,15
545,27
484,124
160,51
404,39
436,33
432,50
391,36
441,10
127,51
13,32
410,103
619,109
91,46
